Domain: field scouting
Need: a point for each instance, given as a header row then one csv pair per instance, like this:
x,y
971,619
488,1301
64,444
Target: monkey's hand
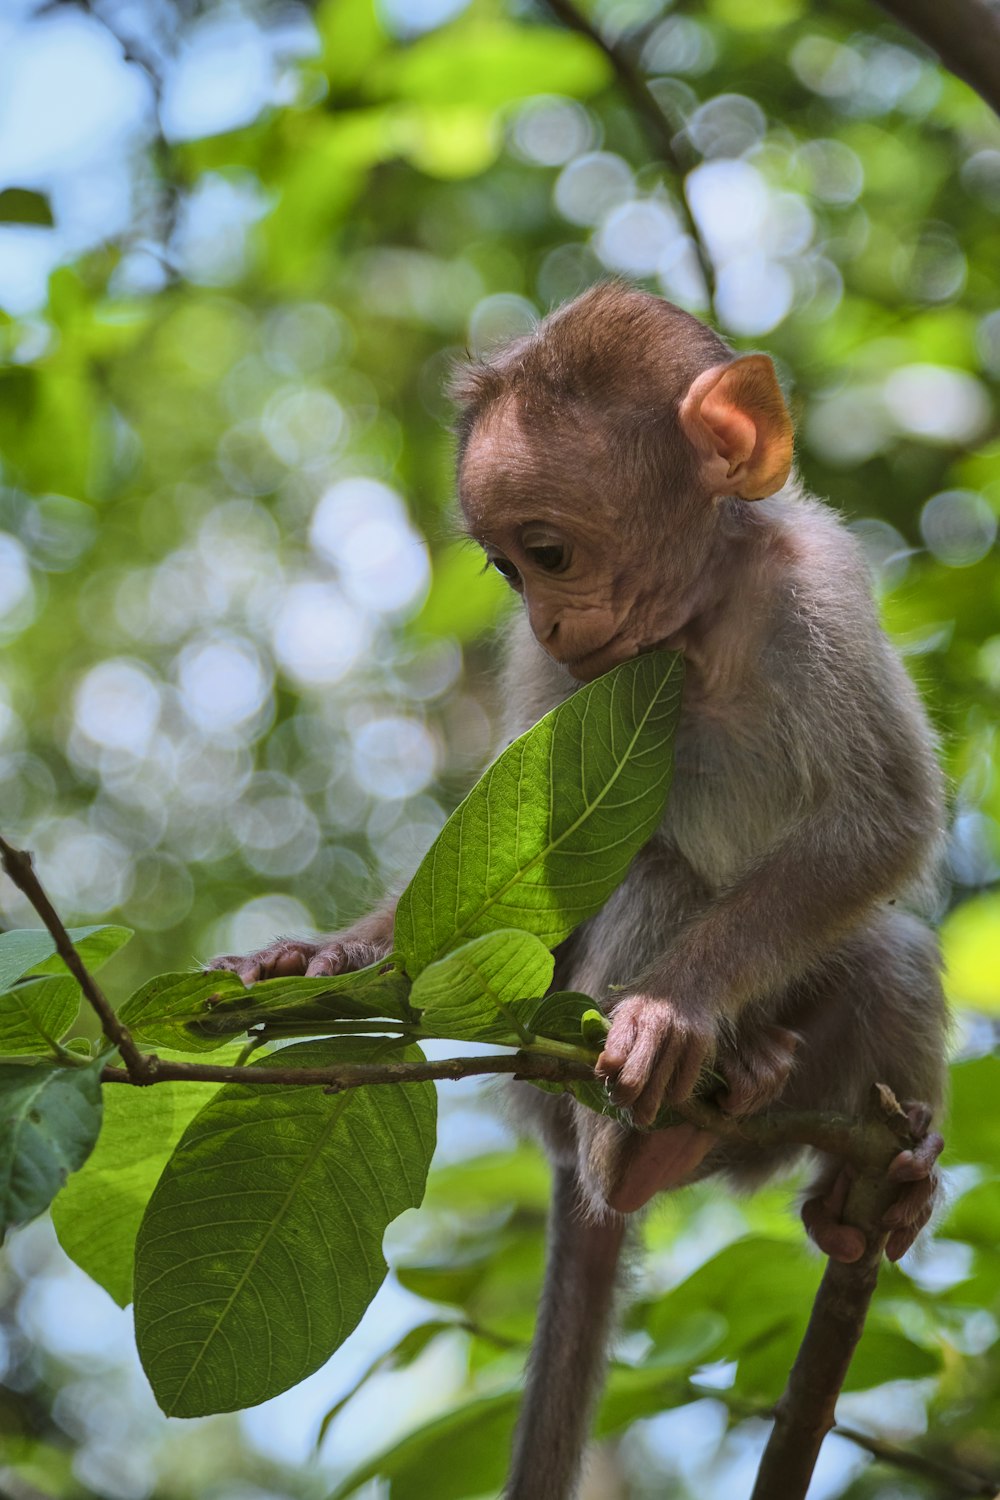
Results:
x,y
653,1055
915,1174
286,957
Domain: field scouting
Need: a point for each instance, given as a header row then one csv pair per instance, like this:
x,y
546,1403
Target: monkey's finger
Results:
x,y
919,1116
332,960
839,1241
650,1100
245,968
687,1070
619,1044
648,1055
913,1203
911,1166
902,1238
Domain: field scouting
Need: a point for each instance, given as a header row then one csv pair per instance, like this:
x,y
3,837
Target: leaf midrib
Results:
x,y
310,1160
456,936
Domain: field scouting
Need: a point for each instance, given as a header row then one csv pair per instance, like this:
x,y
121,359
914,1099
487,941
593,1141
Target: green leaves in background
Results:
x,y
262,1243
49,1120
474,992
545,836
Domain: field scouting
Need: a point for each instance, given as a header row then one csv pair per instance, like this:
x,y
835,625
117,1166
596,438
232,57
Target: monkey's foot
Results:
x,y
756,1065
650,1163
289,957
916,1179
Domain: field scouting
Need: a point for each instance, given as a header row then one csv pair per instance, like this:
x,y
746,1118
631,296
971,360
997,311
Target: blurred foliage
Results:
x,y
245,672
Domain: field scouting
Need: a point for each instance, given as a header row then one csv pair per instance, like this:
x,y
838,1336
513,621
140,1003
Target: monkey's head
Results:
x,y
594,458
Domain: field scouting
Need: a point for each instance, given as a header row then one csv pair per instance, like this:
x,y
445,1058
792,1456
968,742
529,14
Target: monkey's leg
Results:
x,y
873,1013
568,1352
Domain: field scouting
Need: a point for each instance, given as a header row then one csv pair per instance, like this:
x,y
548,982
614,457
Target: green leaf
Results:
x,y
161,1012
22,206
544,837
465,1452
973,1122
98,1213
261,1246
35,1014
399,1357
473,992
30,950
559,1016
760,1330
376,992
455,1456
49,1121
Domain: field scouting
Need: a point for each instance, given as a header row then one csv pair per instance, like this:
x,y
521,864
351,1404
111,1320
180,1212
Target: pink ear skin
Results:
x,y
735,417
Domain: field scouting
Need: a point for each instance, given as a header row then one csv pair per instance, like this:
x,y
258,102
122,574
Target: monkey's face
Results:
x,y
545,521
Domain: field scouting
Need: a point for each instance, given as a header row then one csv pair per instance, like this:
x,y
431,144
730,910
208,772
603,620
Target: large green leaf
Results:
x,y
98,1213
30,950
547,833
474,991
35,1014
262,1244
49,1121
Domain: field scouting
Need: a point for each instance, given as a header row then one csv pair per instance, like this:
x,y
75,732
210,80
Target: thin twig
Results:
x,y
658,127
18,865
953,1478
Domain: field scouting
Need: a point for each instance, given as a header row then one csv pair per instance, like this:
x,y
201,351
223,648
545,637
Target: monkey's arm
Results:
x,y
368,940
865,817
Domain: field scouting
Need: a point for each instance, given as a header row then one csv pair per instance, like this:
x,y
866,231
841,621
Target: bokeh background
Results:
x,y
246,658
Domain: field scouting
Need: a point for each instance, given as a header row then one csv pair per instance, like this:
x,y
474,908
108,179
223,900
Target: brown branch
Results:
x,y
338,1077
965,34
18,865
646,106
805,1413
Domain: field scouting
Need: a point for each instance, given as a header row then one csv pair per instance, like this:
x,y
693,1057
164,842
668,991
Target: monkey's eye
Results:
x,y
506,569
551,557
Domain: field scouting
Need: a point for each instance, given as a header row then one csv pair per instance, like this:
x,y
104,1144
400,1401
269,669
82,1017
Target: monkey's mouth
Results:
x,y
601,659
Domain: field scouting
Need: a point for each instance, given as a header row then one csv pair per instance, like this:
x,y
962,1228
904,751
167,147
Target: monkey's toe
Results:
x,y
822,1217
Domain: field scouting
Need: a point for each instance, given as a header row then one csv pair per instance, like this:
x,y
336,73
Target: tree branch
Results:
x,y
18,865
658,127
339,1077
805,1413
965,34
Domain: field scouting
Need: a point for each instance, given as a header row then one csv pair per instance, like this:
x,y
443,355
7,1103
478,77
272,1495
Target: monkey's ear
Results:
x,y
736,418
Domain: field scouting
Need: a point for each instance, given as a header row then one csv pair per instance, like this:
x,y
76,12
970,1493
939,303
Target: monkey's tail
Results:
x,y
568,1352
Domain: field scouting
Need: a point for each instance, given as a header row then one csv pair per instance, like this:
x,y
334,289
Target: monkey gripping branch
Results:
x,y
229,1245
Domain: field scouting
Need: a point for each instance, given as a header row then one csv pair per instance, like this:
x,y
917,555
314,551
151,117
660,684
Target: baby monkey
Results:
x,y
630,477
